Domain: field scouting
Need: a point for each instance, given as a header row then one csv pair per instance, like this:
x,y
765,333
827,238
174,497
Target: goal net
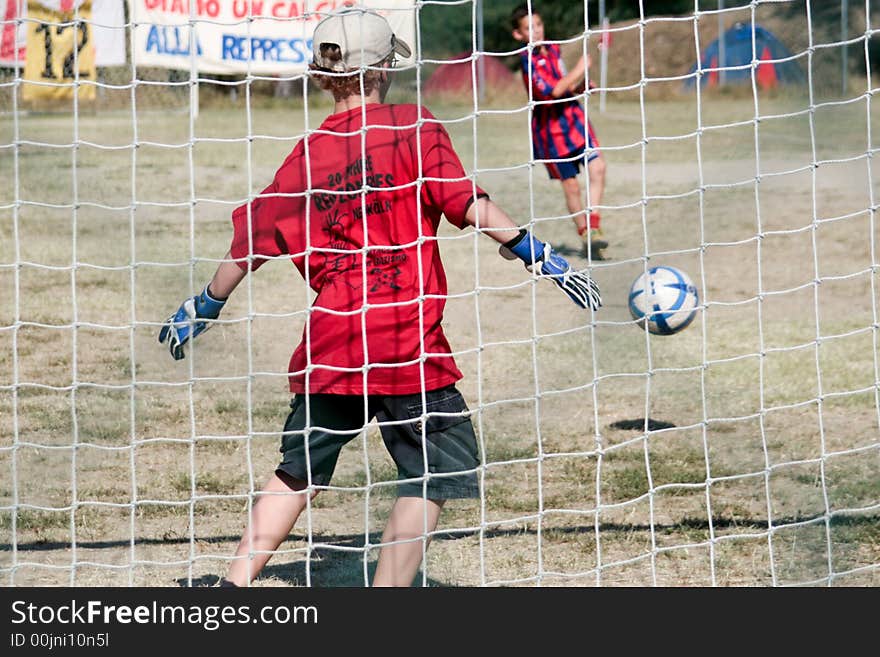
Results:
x,y
737,142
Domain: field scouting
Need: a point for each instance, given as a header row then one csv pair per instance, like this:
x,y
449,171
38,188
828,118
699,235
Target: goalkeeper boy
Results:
x,y
357,211
558,122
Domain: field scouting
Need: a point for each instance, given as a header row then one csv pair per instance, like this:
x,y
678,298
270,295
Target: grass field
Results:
x,y
119,466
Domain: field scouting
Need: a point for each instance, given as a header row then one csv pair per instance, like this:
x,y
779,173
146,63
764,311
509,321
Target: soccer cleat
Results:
x,y
594,244
597,239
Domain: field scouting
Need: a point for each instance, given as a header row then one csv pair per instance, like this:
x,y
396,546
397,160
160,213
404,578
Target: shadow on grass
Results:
x,y
327,568
342,565
356,541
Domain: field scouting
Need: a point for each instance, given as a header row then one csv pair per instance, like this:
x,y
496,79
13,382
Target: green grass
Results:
x,y
206,483
32,519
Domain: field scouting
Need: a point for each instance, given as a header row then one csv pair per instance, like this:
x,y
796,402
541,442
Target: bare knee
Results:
x,y
597,169
294,484
571,187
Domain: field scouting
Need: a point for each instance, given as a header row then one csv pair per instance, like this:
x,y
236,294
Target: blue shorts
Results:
x,y
569,166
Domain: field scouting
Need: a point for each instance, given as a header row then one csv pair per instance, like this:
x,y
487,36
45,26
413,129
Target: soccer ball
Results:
x,y
664,300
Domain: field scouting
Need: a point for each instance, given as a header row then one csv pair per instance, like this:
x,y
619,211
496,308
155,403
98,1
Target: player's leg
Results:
x,y
273,516
596,173
595,192
574,201
437,432
308,454
566,170
407,534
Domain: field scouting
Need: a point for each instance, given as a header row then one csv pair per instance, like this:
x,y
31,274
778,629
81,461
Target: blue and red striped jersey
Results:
x,y
559,127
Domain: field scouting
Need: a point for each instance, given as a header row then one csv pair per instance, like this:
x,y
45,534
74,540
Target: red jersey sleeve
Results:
x,y
446,185
266,210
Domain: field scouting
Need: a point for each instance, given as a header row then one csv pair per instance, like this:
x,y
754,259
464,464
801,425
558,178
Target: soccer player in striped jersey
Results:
x,y
561,134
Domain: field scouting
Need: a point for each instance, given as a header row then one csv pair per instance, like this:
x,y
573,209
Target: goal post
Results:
x,y
743,449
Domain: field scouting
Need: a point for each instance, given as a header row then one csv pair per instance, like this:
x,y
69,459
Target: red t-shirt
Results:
x,y
350,214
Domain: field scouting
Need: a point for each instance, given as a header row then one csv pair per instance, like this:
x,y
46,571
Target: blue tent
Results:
x,y
739,53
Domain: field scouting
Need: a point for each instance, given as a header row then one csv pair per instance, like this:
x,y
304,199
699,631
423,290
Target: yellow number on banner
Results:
x,y
59,51
51,36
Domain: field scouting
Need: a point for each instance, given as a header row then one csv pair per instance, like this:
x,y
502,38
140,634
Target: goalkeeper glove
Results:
x,y
534,253
188,322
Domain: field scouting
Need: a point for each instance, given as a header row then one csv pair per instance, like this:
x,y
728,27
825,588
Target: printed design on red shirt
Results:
x,y
335,263
342,210
352,180
385,278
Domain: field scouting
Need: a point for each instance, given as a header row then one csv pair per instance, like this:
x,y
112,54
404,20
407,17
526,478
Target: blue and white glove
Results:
x,y
188,322
534,253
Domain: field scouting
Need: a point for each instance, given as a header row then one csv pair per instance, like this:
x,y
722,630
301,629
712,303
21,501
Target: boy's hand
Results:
x,y
187,322
579,287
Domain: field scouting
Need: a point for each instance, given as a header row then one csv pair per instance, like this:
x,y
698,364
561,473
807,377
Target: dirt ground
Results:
x,y
120,467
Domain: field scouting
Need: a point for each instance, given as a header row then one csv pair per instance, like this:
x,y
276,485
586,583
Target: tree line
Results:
x,y
449,29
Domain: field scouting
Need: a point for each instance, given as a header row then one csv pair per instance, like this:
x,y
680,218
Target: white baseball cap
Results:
x,y
364,38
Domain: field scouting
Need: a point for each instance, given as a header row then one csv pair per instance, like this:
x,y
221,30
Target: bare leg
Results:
x,y
575,202
399,563
272,517
596,188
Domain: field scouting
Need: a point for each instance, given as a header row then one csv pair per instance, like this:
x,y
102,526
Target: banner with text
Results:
x,y
263,37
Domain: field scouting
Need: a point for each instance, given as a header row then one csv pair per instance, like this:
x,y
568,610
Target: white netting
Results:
x,y
743,450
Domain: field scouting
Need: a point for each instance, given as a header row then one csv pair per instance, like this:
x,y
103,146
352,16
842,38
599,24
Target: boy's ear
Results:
x,y
517,35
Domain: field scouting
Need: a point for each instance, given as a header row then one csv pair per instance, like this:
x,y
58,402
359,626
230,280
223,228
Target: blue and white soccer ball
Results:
x,y
664,300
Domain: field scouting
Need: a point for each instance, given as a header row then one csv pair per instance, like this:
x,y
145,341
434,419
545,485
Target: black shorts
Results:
x,y
310,453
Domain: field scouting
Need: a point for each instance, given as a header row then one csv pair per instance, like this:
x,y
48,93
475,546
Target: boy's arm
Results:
x,y
194,315
493,221
585,82
254,232
518,242
570,82
227,277
545,84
